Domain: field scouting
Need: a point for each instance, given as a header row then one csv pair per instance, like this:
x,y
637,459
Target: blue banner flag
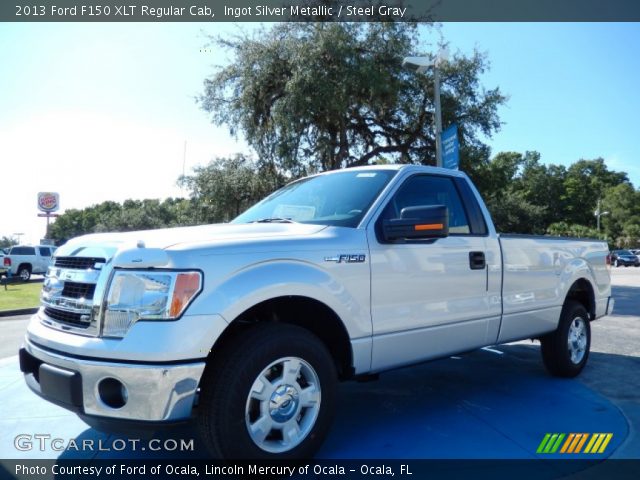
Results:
x,y
450,147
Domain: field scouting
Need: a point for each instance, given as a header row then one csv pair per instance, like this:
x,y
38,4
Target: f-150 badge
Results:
x,y
347,258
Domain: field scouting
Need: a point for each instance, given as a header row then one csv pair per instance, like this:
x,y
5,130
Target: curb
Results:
x,y
21,311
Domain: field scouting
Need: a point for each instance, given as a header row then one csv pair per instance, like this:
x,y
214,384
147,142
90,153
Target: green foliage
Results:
x,y
526,196
226,187
128,216
6,242
563,229
622,221
321,96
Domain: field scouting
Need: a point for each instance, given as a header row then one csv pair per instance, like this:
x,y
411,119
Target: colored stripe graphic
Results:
x,y
605,443
543,443
591,442
596,445
577,439
550,443
573,443
556,445
584,439
568,442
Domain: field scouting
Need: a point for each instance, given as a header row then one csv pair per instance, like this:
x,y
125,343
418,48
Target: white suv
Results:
x,y
25,260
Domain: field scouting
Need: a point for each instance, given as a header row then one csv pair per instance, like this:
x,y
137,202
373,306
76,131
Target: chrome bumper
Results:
x,y
155,392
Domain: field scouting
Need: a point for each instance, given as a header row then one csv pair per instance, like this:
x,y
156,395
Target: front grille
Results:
x,y
78,290
63,316
77,263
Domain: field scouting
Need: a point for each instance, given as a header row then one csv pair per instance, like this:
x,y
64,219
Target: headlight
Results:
x,y
147,295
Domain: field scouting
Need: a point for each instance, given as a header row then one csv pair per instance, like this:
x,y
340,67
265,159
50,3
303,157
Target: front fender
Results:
x,y
348,296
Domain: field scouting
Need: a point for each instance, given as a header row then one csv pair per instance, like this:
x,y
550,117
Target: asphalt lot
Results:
x,y
495,403
12,331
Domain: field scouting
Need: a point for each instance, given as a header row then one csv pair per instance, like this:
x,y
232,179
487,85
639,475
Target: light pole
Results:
x,y
599,213
19,235
421,64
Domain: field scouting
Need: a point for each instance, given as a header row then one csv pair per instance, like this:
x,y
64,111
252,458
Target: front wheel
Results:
x,y
616,263
270,395
565,351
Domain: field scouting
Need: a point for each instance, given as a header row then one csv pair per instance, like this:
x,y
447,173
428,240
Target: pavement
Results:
x,y
495,403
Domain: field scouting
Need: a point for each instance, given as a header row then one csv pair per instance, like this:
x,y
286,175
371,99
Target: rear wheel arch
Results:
x,y
581,291
24,270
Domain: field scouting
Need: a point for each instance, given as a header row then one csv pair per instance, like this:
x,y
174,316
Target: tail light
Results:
x,y
7,262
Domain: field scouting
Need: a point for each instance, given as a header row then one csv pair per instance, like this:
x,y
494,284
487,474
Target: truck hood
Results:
x,y
105,245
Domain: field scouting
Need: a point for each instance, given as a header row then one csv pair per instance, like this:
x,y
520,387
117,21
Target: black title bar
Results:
x,y
318,10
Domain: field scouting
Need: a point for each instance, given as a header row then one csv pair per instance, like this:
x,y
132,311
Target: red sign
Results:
x,y
48,201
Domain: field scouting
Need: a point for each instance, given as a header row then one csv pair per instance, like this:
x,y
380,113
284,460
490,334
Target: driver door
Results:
x,y
431,297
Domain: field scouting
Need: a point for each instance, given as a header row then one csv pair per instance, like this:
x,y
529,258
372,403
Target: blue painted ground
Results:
x,y
480,406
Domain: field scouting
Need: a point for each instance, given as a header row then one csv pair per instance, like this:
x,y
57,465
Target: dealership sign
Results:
x,y
48,201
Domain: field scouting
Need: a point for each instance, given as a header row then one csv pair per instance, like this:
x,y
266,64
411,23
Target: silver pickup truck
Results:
x,y
248,326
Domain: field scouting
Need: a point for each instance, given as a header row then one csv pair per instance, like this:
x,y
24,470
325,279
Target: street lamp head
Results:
x,y
419,64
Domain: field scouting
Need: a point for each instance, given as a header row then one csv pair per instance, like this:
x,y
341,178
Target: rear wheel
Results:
x,y
565,351
269,395
24,272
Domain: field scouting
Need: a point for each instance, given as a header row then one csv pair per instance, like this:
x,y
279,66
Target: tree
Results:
x,y
586,182
621,223
128,216
322,96
6,242
563,229
225,187
514,187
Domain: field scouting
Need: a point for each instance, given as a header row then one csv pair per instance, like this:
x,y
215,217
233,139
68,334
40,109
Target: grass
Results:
x,y
20,295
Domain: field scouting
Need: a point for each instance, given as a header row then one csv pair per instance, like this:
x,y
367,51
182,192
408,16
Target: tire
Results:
x,y
24,272
565,352
239,389
616,263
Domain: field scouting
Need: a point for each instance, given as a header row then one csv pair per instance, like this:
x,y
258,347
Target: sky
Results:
x,y
103,111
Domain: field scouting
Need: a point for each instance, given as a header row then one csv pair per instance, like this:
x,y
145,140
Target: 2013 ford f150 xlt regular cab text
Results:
x,y
248,326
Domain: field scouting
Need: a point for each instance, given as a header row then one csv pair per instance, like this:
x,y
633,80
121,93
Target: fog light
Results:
x,y
113,393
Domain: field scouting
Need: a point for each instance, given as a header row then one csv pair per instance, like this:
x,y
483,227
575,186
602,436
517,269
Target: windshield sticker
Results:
x,y
366,175
298,213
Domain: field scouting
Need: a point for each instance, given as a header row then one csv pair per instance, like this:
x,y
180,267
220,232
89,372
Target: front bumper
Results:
x,y
154,392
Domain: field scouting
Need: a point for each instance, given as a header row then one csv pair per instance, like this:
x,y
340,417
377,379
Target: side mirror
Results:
x,y
419,222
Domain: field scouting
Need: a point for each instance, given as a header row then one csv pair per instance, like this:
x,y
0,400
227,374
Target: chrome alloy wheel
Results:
x,y
577,339
283,405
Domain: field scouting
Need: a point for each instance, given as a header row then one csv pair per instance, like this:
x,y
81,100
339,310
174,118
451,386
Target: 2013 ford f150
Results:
x,y
248,326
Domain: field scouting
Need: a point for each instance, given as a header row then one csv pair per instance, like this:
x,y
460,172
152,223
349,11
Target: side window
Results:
x,y
23,251
425,190
45,252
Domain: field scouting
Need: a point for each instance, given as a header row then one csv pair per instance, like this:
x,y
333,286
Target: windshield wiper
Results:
x,y
274,220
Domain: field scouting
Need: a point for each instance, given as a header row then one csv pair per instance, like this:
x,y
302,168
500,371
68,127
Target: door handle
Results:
x,y
477,260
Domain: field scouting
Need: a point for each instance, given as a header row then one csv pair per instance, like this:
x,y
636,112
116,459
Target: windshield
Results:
x,y
339,199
